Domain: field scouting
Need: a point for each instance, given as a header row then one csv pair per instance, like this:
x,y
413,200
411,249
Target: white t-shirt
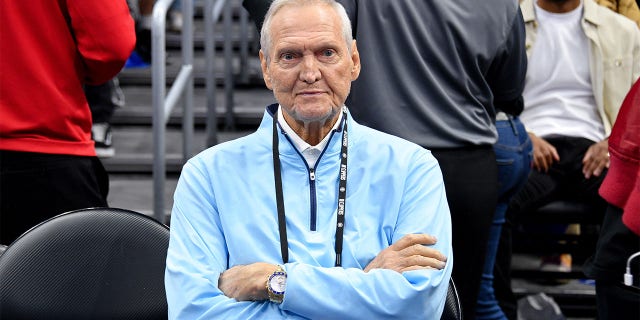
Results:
x,y
558,95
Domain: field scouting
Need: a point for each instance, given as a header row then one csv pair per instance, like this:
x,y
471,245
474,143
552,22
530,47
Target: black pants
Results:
x,y
564,180
471,182
36,186
616,301
103,99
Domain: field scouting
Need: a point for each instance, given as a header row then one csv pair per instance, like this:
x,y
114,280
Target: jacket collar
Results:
x,y
590,13
528,13
333,146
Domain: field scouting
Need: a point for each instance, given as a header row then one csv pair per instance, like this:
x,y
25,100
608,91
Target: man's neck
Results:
x,y
311,132
558,6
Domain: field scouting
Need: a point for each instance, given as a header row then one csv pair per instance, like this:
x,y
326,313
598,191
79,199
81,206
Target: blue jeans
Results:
x,y
514,154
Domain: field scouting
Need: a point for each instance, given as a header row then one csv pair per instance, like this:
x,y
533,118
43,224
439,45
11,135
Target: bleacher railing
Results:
x,y
163,104
213,11
183,85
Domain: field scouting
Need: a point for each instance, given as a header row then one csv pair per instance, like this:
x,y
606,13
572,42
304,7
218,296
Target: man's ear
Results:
x,y
265,70
355,58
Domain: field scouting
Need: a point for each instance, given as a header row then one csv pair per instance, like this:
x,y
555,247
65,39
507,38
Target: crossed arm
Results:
x,y
411,252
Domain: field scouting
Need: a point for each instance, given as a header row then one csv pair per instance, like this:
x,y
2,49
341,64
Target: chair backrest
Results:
x,y
452,307
98,263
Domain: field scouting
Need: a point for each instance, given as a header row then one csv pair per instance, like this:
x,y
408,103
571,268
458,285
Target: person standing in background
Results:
x,y
50,49
514,157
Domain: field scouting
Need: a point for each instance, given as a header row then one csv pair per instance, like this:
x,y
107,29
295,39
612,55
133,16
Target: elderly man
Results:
x,y
439,78
278,224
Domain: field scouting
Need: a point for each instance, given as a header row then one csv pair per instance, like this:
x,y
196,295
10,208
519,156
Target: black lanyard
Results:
x,y
342,193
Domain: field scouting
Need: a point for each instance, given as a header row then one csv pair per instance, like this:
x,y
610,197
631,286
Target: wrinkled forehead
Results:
x,y
306,26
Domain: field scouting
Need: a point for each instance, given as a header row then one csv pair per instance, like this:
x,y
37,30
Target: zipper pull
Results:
x,y
312,174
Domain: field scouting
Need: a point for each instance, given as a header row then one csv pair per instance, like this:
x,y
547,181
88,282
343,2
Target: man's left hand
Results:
x,y
246,282
411,252
596,159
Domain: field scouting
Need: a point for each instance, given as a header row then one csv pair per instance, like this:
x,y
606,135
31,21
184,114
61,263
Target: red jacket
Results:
x,y
621,186
48,50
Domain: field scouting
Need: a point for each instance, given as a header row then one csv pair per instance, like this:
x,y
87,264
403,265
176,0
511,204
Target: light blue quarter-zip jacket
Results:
x,y
225,214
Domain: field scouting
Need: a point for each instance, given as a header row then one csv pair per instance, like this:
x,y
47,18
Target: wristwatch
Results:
x,y
276,284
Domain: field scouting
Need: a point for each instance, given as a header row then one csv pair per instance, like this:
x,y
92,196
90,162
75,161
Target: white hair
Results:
x,y
265,32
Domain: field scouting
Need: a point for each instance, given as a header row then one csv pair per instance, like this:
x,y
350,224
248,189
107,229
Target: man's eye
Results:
x,y
287,56
328,53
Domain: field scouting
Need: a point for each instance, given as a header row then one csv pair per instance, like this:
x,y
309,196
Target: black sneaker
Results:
x,y
101,135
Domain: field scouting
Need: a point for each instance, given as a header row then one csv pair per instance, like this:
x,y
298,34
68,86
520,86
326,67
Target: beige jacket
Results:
x,y
614,54
627,8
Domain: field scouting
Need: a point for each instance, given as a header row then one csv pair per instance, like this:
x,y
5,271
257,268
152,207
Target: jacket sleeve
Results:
x,y
350,293
197,255
105,36
507,72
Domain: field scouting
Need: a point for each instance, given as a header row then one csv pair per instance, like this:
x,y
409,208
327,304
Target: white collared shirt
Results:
x,y
309,152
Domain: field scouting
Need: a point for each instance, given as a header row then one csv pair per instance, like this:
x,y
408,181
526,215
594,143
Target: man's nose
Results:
x,y
310,71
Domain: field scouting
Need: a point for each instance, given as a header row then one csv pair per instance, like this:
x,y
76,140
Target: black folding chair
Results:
x,y
99,263
452,307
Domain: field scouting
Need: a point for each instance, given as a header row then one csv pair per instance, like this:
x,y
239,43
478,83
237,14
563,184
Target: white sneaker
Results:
x,y
101,135
175,21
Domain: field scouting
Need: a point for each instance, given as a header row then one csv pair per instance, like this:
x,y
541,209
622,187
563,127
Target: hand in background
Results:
x,y
544,154
596,159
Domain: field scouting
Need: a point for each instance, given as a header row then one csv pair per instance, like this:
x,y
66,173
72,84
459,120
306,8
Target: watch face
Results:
x,y
277,282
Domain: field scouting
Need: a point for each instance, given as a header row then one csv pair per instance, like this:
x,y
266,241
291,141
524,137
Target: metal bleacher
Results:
x,y
226,77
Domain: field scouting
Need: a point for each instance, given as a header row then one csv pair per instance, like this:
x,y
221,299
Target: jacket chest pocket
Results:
x,y
617,79
618,71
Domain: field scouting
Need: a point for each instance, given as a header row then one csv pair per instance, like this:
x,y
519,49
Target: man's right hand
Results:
x,y
409,253
544,154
